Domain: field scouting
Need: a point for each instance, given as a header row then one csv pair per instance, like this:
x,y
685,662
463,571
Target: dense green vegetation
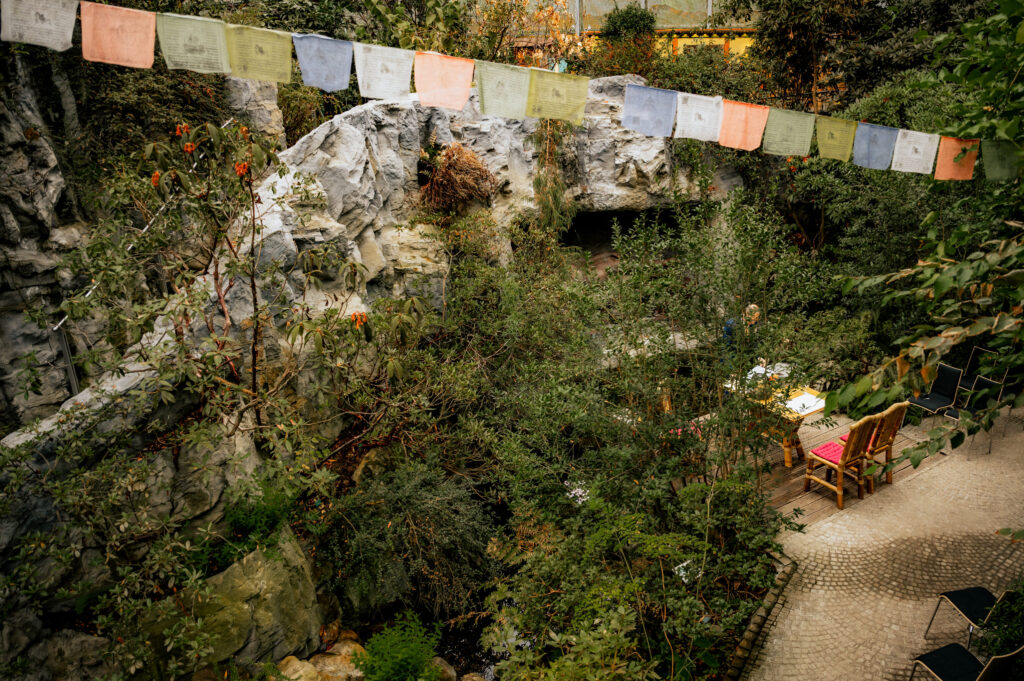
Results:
x,y
550,462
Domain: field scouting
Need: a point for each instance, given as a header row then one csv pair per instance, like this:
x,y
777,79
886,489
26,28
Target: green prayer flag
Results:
x,y
788,133
194,43
835,137
557,95
503,89
1001,159
260,53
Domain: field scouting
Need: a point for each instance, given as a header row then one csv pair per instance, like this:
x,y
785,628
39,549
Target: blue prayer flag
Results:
x,y
326,63
873,146
649,110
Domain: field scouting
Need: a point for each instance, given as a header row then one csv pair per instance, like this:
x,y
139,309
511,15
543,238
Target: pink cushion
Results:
x,y
830,451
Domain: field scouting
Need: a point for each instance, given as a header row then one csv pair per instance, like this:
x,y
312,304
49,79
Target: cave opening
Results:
x,y
593,232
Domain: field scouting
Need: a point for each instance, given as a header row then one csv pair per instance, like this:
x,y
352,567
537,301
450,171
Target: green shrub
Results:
x,y
400,652
631,22
409,535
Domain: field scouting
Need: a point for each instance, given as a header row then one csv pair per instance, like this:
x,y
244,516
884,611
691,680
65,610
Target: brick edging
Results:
x,y
787,566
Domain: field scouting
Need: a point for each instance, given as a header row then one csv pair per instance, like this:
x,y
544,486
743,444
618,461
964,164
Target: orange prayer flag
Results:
x,y
443,81
742,125
947,167
117,35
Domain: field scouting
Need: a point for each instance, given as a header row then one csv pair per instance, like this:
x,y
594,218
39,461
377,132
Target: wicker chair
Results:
x,y
845,460
883,439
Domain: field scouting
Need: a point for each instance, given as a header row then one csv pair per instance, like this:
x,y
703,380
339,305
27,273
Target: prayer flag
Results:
x,y
650,111
443,81
948,167
873,145
835,137
49,23
742,125
503,89
117,35
383,72
325,63
788,133
914,152
557,95
194,43
260,53
1001,159
698,117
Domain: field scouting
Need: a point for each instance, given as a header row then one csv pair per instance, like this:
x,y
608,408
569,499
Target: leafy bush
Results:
x,y
409,535
402,651
631,22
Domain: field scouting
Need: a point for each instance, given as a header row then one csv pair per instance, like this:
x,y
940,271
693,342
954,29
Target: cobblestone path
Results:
x,y
868,577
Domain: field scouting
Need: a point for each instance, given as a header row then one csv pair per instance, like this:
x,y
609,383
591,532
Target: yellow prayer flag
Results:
x,y
259,53
557,95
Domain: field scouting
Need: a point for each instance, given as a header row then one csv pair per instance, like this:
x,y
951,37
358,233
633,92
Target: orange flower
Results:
x,y
184,128
189,147
156,178
358,318
241,168
177,130
245,132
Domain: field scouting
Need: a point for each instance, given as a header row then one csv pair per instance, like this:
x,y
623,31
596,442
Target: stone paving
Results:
x,y
868,577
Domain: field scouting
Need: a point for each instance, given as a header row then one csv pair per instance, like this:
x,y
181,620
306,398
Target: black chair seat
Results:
x,y
931,402
974,602
951,662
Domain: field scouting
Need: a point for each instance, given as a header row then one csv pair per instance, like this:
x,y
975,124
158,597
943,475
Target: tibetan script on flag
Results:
x,y
383,72
872,148
503,89
742,125
788,133
914,152
650,111
193,43
557,95
325,63
260,53
48,23
117,35
443,81
698,117
835,137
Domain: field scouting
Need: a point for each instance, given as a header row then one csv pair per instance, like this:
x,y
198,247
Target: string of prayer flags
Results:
x,y
503,89
1001,159
788,133
557,95
698,117
194,43
835,137
118,35
383,72
650,111
443,81
325,63
742,125
956,159
873,146
914,152
259,53
47,23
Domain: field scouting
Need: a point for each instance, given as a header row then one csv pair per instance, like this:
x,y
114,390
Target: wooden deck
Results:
x,y
786,485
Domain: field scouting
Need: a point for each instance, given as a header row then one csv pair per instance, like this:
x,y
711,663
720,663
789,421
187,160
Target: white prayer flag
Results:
x,y
698,117
914,152
49,23
383,72
194,43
